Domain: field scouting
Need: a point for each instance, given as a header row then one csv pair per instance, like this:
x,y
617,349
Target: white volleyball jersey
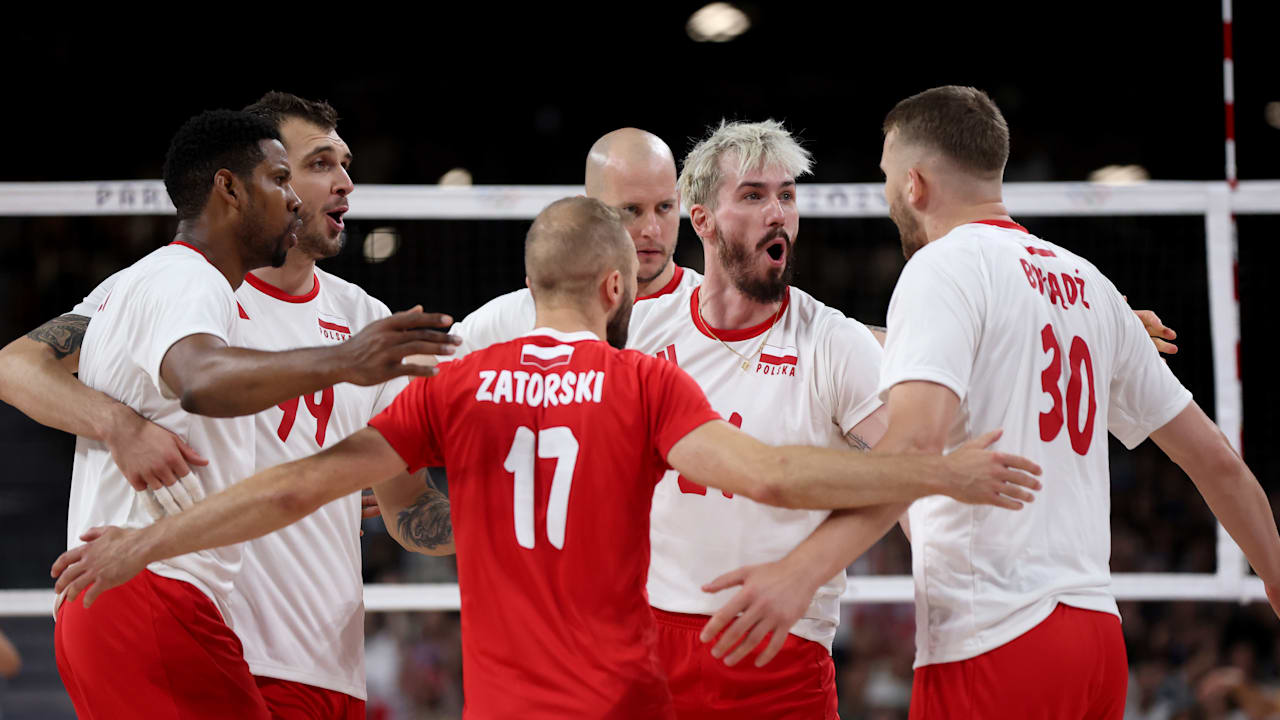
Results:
x,y
298,604
810,379
298,600
1034,340
166,296
510,316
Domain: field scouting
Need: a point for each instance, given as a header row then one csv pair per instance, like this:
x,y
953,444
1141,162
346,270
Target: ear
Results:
x,y
703,221
917,190
526,283
227,187
611,290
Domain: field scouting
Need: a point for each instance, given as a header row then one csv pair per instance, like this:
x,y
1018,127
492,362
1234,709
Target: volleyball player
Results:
x,y
992,325
633,171
554,442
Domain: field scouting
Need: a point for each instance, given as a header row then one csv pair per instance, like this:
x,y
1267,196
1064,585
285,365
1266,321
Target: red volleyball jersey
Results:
x,y
553,444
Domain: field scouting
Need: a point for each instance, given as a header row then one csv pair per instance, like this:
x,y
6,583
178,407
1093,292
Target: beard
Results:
x,y
616,327
661,268
266,248
910,230
739,262
315,241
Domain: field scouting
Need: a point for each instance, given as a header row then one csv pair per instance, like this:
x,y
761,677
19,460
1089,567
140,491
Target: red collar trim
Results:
x,y
667,289
1009,224
735,335
186,244
267,288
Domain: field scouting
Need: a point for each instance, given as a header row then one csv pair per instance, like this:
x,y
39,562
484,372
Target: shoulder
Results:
x,y
174,269
349,297
514,300
650,313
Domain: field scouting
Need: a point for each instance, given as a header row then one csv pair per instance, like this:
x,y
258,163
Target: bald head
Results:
x,y
623,153
573,244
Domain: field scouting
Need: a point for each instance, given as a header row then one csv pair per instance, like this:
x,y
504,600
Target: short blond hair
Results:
x,y
755,145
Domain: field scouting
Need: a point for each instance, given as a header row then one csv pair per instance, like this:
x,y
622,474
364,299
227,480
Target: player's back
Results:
x,y
553,444
1047,351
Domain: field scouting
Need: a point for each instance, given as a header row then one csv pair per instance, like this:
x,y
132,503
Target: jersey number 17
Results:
x,y
553,442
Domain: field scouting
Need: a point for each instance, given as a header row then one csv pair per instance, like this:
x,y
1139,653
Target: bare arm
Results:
x,y
36,377
719,455
266,502
416,513
10,661
1198,447
215,380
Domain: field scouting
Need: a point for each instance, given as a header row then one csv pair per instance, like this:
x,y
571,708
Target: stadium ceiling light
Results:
x,y
380,244
457,177
1273,114
717,22
1120,175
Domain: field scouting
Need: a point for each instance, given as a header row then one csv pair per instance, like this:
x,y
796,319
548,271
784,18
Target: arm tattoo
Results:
x,y
857,442
426,522
64,334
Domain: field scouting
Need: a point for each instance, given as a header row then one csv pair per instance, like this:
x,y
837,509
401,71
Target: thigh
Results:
x,y
155,648
798,684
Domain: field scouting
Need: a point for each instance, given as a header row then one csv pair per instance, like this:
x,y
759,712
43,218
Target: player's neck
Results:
x,y
659,282
936,227
569,320
724,307
220,249
296,277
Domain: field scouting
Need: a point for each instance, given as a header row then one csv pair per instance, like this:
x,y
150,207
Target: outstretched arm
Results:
x,y
1196,444
416,513
36,377
215,380
268,501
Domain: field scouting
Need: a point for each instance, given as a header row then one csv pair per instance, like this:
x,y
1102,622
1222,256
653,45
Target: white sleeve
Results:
x,y
852,358
935,319
503,318
88,307
167,307
1145,394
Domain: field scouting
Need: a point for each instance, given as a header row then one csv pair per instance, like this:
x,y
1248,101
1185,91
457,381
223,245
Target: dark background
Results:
x,y
517,95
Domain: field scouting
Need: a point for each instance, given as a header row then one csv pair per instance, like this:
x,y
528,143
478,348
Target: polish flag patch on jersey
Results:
x,y
776,360
545,358
333,327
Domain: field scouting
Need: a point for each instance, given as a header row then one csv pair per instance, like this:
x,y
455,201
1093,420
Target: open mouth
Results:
x,y
776,249
335,217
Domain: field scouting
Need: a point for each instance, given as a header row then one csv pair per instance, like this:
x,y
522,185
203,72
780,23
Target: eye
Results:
x,y
320,164
752,196
666,207
631,209
788,195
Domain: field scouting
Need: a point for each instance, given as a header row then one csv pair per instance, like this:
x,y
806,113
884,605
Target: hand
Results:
x,y
375,354
972,474
111,556
150,456
368,506
773,597
1160,335
172,499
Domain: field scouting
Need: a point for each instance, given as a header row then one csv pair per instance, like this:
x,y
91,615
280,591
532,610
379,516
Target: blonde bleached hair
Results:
x,y
754,145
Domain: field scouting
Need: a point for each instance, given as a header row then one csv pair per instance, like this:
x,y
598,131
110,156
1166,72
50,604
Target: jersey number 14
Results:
x,y
554,442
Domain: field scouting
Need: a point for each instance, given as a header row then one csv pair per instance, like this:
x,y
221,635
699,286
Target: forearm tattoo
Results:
x,y
426,522
64,334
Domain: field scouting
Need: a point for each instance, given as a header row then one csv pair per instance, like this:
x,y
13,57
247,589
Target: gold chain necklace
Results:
x,y
746,359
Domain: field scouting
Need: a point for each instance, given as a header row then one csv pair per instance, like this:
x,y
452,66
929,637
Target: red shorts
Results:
x,y
153,648
290,700
1072,666
798,684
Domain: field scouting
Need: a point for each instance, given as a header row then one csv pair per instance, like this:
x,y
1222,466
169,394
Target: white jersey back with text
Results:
x,y
170,294
811,378
509,316
1034,340
298,600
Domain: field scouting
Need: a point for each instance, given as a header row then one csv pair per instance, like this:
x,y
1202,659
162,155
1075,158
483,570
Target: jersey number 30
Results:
x,y
554,442
1079,368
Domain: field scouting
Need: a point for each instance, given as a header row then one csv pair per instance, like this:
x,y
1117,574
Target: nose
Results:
x,y
773,214
343,185
292,201
649,226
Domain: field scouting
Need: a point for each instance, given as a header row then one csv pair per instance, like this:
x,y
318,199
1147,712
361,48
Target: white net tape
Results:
x,y
1213,200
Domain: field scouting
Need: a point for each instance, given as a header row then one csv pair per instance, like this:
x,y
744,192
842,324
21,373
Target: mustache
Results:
x,y
772,235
